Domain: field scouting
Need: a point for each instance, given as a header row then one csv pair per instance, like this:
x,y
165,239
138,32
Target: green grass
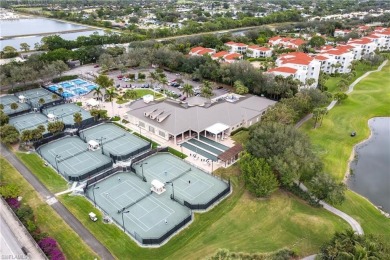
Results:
x,y
360,69
332,140
46,218
47,175
241,136
239,223
140,94
333,143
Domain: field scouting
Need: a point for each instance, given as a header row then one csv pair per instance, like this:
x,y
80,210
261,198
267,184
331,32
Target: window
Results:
x,y
141,124
161,133
151,129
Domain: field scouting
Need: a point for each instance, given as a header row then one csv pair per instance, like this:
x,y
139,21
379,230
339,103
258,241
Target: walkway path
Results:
x,y
350,89
68,217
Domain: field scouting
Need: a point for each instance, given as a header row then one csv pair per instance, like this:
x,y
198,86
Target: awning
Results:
x,y
217,128
230,153
92,102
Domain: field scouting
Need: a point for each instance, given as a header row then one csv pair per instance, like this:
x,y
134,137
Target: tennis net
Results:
x,y
133,203
113,139
73,155
180,175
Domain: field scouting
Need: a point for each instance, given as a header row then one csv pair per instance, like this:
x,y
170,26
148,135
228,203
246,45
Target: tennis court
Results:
x,y
116,141
8,100
145,215
65,112
34,95
72,159
189,183
28,121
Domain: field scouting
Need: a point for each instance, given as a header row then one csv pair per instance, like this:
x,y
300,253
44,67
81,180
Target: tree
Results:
x,y
316,41
188,90
240,88
9,52
24,47
206,90
106,61
41,101
26,136
98,92
309,82
9,190
342,84
55,127
37,133
14,106
54,96
258,176
9,134
323,187
60,67
280,113
349,245
4,119
288,151
60,91
104,81
340,96
130,94
95,113
319,114
77,118
1,106
111,94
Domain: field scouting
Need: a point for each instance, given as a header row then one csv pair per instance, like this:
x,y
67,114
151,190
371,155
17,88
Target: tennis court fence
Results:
x,y
27,110
125,157
57,102
49,139
89,173
180,175
134,202
101,176
160,240
73,155
211,202
147,154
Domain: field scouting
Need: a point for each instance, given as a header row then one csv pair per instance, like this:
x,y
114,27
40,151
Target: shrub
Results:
x,y
294,189
50,248
141,76
13,203
64,78
10,190
239,130
125,121
154,144
115,118
79,104
177,153
23,88
25,213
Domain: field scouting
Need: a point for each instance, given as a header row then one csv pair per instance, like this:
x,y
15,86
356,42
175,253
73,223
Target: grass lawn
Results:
x,y
140,94
47,175
239,223
333,143
46,218
241,137
361,68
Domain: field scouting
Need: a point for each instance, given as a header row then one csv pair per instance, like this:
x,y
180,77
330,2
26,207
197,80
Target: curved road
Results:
x,y
68,217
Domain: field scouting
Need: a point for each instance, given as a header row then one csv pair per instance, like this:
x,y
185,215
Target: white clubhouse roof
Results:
x,y
217,128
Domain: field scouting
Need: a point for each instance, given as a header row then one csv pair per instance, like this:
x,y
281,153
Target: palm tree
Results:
x,y
188,90
77,118
98,91
94,113
111,94
206,90
60,91
1,106
54,97
26,136
14,106
104,81
130,94
41,128
41,101
164,82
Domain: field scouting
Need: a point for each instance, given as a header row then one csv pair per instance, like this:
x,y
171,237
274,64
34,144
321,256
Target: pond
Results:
x,y
371,165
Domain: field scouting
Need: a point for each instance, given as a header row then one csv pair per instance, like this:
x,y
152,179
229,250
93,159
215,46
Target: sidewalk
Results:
x,y
21,234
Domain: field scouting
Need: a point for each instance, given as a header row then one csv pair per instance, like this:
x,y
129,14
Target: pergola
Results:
x,y
216,129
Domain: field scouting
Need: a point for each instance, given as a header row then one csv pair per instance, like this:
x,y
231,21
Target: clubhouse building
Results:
x,y
177,121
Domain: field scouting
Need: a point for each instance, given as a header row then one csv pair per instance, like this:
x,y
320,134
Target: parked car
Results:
x,y
96,66
157,88
183,98
120,76
220,87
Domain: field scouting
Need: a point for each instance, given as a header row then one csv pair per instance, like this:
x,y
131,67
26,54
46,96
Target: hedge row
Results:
x,y
64,78
23,88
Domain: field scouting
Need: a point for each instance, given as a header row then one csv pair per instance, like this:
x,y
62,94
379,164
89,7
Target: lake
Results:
x,y
38,26
371,166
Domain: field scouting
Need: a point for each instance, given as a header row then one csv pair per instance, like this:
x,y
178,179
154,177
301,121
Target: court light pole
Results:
x,y
56,159
173,190
93,192
101,142
123,220
142,166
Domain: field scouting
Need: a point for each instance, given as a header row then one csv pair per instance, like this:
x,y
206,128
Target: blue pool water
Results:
x,y
66,84
79,91
67,95
53,88
91,87
79,81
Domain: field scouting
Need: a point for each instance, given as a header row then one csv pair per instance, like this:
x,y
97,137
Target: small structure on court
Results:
x,y
22,99
51,118
148,98
158,187
93,145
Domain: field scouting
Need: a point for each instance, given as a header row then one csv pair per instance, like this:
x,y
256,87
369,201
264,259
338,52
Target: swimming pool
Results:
x,y
79,91
79,81
53,88
66,85
67,94
90,87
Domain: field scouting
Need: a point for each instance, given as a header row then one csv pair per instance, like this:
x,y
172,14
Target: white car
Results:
x,y
157,88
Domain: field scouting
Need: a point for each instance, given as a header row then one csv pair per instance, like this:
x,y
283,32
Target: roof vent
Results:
x,y
162,117
156,114
149,112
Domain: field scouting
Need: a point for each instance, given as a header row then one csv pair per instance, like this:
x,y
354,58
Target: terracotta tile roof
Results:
x,y
296,58
230,153
205,51
239,44
320,57
232,56
283,69
275,38
360,41
220,54
196,49
255,47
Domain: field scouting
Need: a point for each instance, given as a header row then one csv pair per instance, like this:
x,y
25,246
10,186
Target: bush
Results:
x,y
125,121
141,76
23,88
115,118
239,130
80,104
25,213
9,191
294,189
154,144
13,203
50,248
176,153
64,78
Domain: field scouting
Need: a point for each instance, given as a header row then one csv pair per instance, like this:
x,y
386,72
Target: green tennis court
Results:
x,y
72,159
65,112
116,141
189,183
34,95
28,121
8,100
146,215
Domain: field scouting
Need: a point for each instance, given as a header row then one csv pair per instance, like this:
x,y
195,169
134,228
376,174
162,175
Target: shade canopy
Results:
x,y
217,128
92,102
157,184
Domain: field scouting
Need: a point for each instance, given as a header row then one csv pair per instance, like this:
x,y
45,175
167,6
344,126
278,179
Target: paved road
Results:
x,y
73,222
9,245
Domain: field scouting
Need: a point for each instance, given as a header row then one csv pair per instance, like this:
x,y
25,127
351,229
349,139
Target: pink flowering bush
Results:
x,y
50,248
13,203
